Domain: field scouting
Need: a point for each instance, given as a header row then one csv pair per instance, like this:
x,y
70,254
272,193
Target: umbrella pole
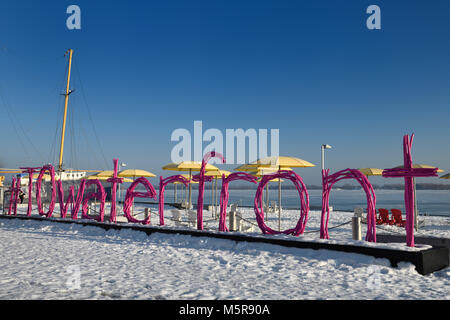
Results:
x,y
190,188
118,198
267,202
263,199
215,199
185,198
416,213
175,193
132,205
212,198
279,204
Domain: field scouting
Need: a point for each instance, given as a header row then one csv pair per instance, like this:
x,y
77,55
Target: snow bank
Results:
x,y
44,260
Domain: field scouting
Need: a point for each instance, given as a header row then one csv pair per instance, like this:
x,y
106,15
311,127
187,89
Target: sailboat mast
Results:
x,y
68,92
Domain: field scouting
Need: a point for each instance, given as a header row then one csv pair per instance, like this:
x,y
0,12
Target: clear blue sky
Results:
x,y
308,68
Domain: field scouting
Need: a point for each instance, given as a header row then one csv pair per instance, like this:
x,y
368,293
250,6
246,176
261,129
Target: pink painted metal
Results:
x,y
196,178
162,186
70,199
304,202
327,183
30,171
16,194
114,181
224,194
12,197
99,195
408,173
130,195
76,206
201,185
51,207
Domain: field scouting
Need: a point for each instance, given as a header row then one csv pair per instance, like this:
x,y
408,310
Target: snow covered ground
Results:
x,y
45,260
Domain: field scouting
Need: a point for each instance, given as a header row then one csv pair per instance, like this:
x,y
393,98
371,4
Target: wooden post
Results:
x,y
147,214
1,196
232,221
356,228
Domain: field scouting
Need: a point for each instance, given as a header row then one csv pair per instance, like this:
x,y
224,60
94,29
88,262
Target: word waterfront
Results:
x,y
328,180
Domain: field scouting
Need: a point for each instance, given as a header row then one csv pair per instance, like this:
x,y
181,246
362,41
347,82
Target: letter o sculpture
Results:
x,y
51,206
304,201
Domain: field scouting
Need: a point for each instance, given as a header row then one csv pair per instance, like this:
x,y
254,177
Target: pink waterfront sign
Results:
x,y
81,200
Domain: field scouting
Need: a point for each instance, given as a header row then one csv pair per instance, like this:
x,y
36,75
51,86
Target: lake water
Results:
x,y
432,202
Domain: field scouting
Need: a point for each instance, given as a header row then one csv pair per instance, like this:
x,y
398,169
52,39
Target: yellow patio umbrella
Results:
x,y
371,171
256,167
262,171
103,178
187,177
106,173
281,162
189,166
134,173
217,173
419,166
274,180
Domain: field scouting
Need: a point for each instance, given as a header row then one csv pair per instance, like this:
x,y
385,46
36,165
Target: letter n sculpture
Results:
x,y
327,183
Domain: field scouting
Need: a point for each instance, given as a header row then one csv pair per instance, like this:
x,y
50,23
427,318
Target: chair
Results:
x,y
383,216
359,212
176,217
273,206
397,218
192,217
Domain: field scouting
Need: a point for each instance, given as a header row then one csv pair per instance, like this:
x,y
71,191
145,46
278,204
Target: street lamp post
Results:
x,y
323,147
